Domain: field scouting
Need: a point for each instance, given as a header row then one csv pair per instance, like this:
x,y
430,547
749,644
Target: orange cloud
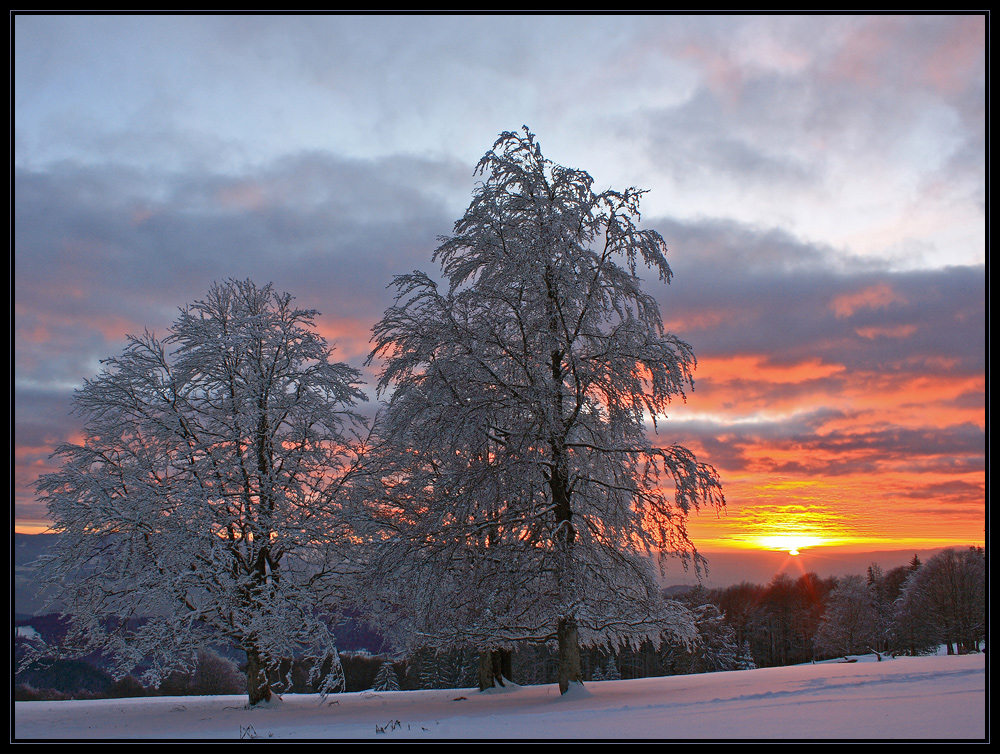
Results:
x,y
702,320
761,369
865,459
349,336
873,297
873,332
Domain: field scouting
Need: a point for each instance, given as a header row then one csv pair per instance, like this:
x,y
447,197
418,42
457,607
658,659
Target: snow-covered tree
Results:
x,y
212,674
386,679
611,671
915,632
716,646
521,496
453,668
210,472
850,623
946,598
744,658
533,664
885,590
215,675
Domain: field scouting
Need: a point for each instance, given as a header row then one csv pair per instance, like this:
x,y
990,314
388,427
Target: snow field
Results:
x,y
937,697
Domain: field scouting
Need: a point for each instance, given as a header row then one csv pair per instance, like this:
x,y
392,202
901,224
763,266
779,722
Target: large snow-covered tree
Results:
x,y
521,496
206,489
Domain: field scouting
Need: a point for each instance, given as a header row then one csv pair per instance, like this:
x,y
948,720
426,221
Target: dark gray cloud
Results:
x,y
114,249
738,289
103,251
862,449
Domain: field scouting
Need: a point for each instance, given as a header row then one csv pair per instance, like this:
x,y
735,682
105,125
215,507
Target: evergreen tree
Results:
x,y
611,672
386,680
744,658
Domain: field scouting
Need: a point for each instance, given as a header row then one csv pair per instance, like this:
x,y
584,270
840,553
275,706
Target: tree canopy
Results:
x,y
207,487
519,493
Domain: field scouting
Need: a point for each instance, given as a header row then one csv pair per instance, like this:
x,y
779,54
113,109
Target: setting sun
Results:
x,y
790,543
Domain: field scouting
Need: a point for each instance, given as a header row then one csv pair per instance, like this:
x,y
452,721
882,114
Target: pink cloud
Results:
x,y
949,66
873,297
350,338
858,59
245,195
723,75
898,331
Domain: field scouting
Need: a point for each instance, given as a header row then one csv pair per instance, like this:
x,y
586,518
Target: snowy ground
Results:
x,y
907,698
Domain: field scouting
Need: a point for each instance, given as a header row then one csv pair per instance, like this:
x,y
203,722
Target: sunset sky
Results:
x,y
820,183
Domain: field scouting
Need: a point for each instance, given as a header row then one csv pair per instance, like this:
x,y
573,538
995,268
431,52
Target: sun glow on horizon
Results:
x,y
791,543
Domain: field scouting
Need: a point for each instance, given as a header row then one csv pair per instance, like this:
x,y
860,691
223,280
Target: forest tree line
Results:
x,y
908,610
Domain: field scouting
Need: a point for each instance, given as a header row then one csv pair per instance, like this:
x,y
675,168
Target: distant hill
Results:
x,y
29,547
724,568
27,588
678,590
352,634
760,566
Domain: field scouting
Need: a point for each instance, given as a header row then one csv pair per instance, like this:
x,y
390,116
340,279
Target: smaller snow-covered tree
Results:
x,y
716,646
744,657
534,664
916,632
611,672
208,483
886,589
386,679
713,649
849,625
453,668
214,674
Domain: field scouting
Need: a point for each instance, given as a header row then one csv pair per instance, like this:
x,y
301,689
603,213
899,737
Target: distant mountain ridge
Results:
x,y
724,568
27,548
29,602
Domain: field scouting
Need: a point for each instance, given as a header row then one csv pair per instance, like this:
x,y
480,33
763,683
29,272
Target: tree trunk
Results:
x,y
494,666
486,677
258,687
569,654
505,662
567,632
